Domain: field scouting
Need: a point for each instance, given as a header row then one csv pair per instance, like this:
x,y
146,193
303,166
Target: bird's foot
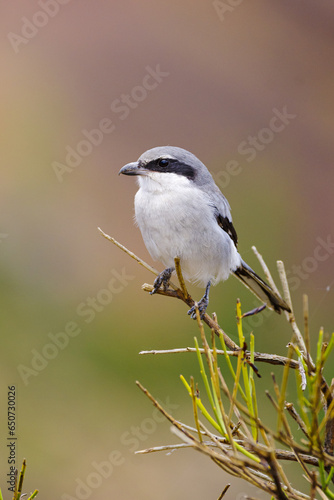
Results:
x,y
202,304
162,279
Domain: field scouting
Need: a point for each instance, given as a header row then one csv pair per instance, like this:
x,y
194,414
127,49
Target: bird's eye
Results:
x,y
163,162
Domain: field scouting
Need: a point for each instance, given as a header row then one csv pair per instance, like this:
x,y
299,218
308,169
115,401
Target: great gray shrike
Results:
x,y
182,213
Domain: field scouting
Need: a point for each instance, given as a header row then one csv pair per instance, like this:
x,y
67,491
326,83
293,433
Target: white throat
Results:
x,y
162,181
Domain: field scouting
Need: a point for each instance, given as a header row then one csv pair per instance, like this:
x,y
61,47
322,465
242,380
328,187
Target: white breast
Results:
x,y
177,220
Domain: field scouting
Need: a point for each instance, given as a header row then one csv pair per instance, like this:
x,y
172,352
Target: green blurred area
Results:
x,y
226,76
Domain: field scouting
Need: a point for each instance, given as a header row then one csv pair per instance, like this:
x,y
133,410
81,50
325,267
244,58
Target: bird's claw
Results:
x,y
162,279
202,304
202,307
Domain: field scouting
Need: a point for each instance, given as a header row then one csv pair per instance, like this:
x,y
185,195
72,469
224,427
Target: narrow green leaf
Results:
x,y
201,406
33,495
328,349
203,374
229,364
329,477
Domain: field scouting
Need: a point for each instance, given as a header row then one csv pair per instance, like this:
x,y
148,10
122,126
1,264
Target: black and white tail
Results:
x,y
260,288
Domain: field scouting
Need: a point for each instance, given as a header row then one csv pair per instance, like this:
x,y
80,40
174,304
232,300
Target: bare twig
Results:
x,y
266,270
306,326
291,410
133,256
247,448
272,359
279,454
287,298
175,292
224,491
180,278
190,302
168,447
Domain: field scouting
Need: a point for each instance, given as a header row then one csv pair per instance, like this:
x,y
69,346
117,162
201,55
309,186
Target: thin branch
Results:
x,y
287,298
133,256
272,359
234,464
180,278
224,491
275,475
266,270
175,292
280,437
291,410
290,456
279,454
190,302
168,447
306,326
239,452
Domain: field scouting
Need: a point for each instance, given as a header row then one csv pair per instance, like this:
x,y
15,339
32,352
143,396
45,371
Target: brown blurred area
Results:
x,y
219,74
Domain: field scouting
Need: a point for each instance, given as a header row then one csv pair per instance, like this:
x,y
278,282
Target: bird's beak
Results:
x,y
132,169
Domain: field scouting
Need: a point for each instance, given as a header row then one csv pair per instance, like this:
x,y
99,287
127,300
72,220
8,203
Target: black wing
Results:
x,y
226,224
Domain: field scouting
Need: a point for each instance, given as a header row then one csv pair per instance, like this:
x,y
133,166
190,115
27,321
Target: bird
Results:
x,y
182,213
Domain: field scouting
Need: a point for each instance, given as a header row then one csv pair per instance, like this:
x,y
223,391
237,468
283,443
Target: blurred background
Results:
x,y
87,87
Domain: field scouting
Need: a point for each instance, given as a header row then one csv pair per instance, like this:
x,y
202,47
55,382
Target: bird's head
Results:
x,y
167,166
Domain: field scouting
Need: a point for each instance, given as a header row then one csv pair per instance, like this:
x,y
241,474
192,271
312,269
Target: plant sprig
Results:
x,y
243,445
